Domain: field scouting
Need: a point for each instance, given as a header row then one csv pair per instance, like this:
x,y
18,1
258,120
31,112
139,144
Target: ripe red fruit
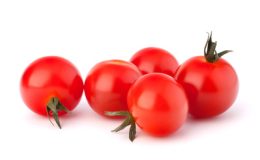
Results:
x,y
157,104
107,85
210,82
151,59
51,86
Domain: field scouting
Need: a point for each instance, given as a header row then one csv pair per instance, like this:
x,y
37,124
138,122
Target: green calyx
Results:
x,y
210,52
53,107
129,121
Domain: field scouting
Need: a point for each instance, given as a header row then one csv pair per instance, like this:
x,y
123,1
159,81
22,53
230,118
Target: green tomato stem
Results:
x,y
53,107
210,52
129,121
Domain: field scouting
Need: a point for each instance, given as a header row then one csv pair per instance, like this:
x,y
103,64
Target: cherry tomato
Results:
x,y
157,104
51,86
107,85
210,82
152,59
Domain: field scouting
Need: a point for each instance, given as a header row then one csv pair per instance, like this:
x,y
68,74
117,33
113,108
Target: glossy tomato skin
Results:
x,y
158,104
210,87
50,77
107,85
152,59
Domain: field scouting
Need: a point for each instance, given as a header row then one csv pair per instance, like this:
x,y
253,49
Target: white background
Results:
x,y
86,32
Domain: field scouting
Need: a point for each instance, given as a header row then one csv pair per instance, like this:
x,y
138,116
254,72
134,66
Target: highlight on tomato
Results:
x,y
210,82
152,59
107,85
156,103
51,86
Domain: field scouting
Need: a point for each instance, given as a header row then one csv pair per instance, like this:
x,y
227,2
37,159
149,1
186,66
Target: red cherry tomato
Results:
x,y
51,86
157,104
152,59
107,85
211,83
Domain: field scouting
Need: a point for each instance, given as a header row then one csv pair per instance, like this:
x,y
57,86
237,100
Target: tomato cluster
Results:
x,y
151,90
